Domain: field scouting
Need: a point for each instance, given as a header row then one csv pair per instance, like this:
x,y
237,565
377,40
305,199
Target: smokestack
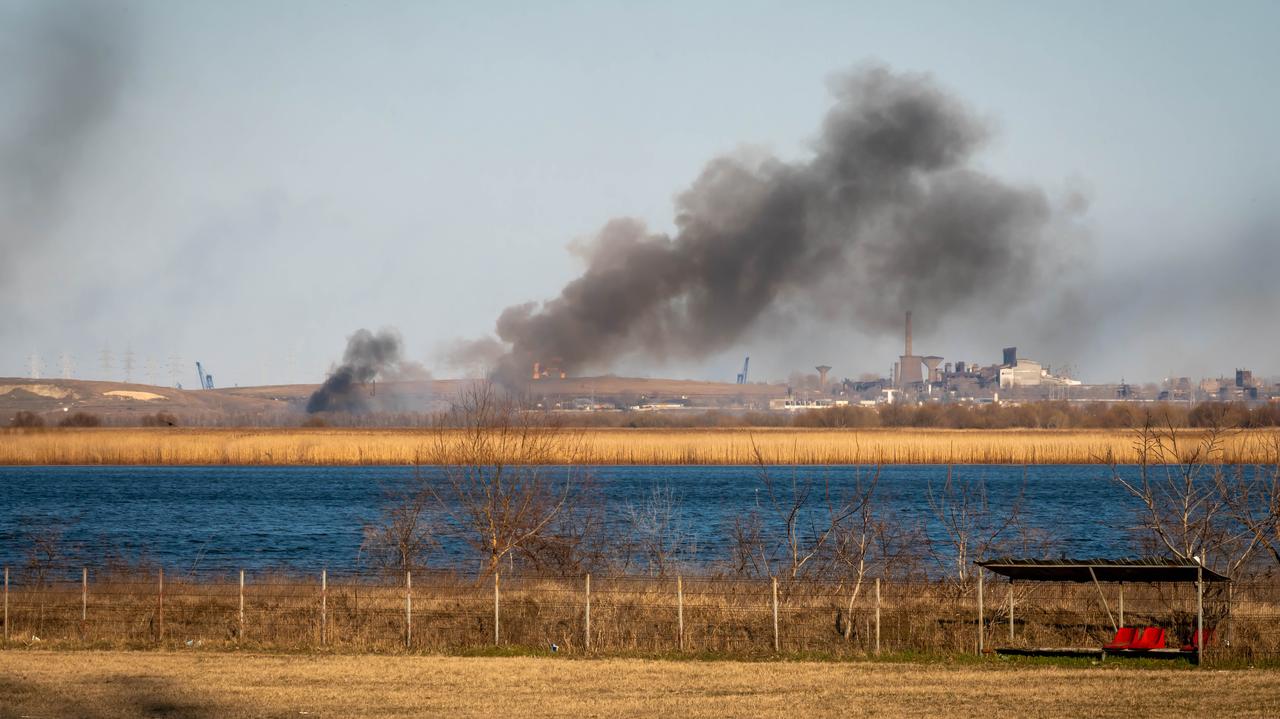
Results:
x,y
908,352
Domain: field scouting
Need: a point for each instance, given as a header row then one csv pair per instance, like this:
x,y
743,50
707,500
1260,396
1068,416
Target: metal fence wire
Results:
x,y
439,612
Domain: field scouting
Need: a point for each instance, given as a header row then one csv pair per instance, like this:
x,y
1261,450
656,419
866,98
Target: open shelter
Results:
x,y
1098,572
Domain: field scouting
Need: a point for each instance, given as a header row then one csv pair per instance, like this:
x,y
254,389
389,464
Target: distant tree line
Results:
x,y
1031,415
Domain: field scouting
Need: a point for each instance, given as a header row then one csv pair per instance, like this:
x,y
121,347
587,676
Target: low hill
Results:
x,y
121,403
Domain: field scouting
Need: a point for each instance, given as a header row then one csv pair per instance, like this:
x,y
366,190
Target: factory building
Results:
x,y
1029,373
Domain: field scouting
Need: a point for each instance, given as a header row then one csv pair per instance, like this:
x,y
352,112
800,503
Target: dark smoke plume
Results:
x,y
63,67
368,358
887,215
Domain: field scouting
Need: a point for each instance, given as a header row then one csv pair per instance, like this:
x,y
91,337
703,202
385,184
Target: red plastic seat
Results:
x,y
1123,638
1152,638
1196,640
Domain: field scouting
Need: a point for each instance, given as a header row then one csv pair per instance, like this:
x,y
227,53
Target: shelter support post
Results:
x,y
1121,609
1010,610
1226,630
1110,617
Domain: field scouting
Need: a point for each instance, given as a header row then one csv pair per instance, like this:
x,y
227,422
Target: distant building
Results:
x,y
1028,373
793,404
1021,373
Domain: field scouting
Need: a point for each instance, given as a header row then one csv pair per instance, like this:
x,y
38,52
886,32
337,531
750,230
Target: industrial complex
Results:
x,y
913,378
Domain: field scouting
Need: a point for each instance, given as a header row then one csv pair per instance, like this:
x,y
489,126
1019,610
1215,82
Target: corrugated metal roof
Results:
x,y
1148,569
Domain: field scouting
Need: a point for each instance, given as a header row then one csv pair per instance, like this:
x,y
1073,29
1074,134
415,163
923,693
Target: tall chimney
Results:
x,y
908,352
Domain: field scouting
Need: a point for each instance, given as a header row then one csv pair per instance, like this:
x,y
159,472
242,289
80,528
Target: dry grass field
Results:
x,y
629,616
118,684
329,446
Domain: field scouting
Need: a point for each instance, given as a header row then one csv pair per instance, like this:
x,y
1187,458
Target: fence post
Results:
x,y
6,605
980,619
160,608
1199,635
680,612
408,610
324,607
84,595
587,643
495,608
877,615
777,643
240,635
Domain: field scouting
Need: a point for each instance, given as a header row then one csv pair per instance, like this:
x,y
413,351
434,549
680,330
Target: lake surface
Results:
x,y
304,518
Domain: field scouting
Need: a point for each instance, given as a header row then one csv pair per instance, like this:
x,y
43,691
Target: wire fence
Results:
x,y
437,612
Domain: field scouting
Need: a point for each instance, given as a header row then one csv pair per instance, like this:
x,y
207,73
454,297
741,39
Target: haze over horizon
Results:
x,y
248,185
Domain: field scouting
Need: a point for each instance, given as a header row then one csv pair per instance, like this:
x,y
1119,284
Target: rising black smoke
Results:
x,y
369,357
62,69
888,214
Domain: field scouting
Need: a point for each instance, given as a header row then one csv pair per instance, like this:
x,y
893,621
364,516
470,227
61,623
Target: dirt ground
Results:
x,y
158,684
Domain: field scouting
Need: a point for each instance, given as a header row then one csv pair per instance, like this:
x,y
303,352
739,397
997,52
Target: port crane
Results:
x,y
742,376
206,380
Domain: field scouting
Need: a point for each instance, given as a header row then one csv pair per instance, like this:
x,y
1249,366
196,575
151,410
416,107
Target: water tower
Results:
x,y
822,375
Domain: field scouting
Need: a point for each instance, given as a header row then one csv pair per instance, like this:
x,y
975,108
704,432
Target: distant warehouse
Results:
x,y
1029,373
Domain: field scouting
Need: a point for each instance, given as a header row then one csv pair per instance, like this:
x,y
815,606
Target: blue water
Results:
x,y
303,518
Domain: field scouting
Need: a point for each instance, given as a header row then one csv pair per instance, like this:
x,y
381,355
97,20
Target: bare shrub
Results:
x,y
26,419
159,419
657,539
80,419
404,535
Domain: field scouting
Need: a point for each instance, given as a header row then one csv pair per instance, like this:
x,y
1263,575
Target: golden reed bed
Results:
x,y
327,446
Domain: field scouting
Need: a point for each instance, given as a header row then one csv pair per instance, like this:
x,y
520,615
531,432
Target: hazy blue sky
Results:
x,y
260,179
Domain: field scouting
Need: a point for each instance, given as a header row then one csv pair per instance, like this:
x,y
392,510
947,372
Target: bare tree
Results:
x,y
797,529
1184,496
972,529
856,545
1252,496
497,481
